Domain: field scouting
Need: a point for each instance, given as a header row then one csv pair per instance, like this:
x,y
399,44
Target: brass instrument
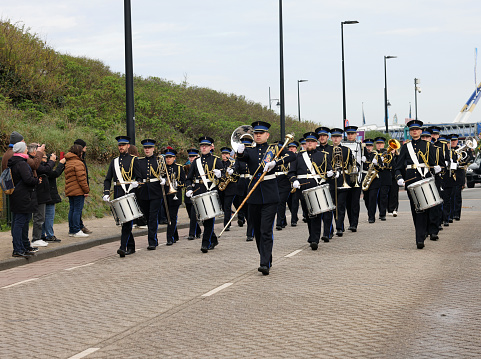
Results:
x,y
163,169
353,171
224,182
239,133
471,143
338,164
393,146
370,175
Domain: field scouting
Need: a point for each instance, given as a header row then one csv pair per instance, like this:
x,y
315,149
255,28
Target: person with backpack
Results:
x,y
23,200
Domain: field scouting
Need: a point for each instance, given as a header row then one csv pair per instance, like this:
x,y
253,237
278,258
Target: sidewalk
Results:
x,y
103,230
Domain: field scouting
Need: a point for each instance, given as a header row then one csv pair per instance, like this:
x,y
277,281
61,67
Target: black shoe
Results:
x,y
52,239
441,228
446,224
434,237
325,239
284,225
227,229
151,248
190,238
293,224
31,249
450,221
372,220
279,228
264,270
30,252
304,220
314,246
169,243
352,229
121,252
212,246
164,222
204,249
129,251
240,222
199,235
339,233
249,239
420,245
21,254
457,218
382,218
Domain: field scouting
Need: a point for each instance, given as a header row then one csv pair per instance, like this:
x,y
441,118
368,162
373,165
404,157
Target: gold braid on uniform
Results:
x,y
424,157
127,176
155,173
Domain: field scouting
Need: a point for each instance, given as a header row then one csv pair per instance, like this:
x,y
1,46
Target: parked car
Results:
x,y
473,172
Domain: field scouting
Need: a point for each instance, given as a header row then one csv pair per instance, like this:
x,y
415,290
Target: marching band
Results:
x,y
260,179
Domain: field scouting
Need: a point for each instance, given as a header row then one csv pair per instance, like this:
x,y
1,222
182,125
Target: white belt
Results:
x,y
147,180
413,167
364,171
269,177
307,176
200,181
245,176
280,174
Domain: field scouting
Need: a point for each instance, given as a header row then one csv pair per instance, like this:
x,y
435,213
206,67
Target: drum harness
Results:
x,y
414,158
118,173
202,174
313,174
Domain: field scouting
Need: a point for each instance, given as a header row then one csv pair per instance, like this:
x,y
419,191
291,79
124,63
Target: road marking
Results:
x,y
23,281
84,353
84,265
218,289
293,253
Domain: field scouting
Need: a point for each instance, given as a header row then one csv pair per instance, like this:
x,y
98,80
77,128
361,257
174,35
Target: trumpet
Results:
x,y
393,146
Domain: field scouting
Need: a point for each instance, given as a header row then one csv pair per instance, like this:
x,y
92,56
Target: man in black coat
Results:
x,y
283,185
228,180
124,172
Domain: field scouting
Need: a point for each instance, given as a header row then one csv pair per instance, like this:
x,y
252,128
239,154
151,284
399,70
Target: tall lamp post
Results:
x,y
299,99
129,74
386,120
281,66
343,79
416,90
272,99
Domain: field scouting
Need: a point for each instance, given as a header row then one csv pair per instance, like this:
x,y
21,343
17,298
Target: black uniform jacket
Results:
x,y
376,182
256,158
131,172
385,167
320,162
426,155
177,179
231,188
347,158
242,170
149,170
194,180
283,168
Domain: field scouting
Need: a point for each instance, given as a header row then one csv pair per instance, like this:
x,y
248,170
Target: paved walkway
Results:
x,y
371,294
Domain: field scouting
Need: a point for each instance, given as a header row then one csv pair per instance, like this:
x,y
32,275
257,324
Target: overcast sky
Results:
x,y
233,47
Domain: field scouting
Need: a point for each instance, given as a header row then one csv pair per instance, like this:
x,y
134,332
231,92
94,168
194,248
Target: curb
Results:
x,y
74,247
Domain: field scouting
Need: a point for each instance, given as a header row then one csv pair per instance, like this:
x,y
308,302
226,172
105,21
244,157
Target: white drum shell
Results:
x,y
207,205
125,208
318,200
424,194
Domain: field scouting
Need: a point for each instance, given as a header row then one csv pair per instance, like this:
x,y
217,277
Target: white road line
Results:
x,y
84,353
218,289
293,253
23,281
84,265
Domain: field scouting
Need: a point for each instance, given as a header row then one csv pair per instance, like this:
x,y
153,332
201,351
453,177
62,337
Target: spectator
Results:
x,y
23,200
14,138
43,193
76,189
84,152
47,228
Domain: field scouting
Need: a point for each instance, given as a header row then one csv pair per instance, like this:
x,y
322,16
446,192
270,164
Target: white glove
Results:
x,y
330,173
232,153
382,159
400,182
217,173
374,161
296,184
437,169
269,166
189,193
162,181
230,171
337,174
106,198
240,148
447,163
454,165
134,184
363,158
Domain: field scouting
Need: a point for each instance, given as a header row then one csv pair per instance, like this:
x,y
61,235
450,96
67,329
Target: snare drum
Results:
x,y
318,200
125,208
424,193
207,205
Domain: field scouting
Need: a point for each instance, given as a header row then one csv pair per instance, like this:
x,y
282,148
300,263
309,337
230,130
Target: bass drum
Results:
x,y
125,209
424,193
318,200
207,205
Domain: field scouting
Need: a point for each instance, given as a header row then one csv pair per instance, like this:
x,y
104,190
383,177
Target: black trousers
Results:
x,y
172,234
341,206
293,204
127,238
227,206
435,213
209,236
420,220
150,209
313,225
372,195
456,201
281,206
194,228
393,202
447,197
262,217
353,205
383,199
242,214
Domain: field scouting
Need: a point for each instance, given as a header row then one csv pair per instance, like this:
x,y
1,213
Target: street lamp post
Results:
x,y
386,120
416,90
129,74
281,63
272,99
299,99
343,79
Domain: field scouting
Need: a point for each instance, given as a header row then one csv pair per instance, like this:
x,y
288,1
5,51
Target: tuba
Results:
x,y
471,143
239,132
